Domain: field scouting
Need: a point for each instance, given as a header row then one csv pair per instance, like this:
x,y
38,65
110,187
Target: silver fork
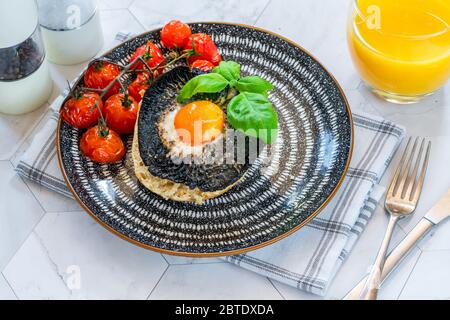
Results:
x,y
401,200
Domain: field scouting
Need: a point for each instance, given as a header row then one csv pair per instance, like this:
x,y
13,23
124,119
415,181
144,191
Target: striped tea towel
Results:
x,y
309,258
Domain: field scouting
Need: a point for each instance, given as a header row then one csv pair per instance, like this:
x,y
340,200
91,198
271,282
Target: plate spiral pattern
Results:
x,y
274,199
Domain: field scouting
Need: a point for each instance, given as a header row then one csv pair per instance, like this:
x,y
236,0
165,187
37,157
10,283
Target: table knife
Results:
x,y
439,212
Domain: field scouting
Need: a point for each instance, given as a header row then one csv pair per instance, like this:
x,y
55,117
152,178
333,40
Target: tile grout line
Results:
x,y
9,285
64,212
131,4
165,259
136,19
433,250
113,9
282,296
31,191
409,275
32,230
157,283
262,12
20,247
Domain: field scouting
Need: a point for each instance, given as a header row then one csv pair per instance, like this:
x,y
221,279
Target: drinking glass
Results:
x,y
401,48
71,30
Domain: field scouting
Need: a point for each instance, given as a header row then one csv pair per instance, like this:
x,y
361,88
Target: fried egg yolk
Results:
x,y
199,122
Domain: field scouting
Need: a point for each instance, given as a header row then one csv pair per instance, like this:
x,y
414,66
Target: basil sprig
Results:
x,y
254,84
205,83
250,111
230,70
253,114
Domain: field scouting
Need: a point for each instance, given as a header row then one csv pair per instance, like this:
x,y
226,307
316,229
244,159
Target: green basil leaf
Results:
x,y
254,84
230,70
205,83
253,114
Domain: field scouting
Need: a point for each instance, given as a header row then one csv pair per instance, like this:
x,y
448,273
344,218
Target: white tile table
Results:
x,y
50,249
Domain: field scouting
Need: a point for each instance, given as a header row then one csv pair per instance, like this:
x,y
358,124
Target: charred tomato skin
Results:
x,y
101,149
175,34
202,65
119,116
80,111
205,48
138,87
100,74
152,55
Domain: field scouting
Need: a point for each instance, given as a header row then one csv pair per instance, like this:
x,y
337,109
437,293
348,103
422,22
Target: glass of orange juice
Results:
x,y
401,48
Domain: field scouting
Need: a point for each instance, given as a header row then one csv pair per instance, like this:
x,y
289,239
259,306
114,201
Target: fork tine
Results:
x,y
405,172
398,170
411,181
418,188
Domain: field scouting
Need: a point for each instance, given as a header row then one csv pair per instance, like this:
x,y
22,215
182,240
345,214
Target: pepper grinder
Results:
x,y
25,82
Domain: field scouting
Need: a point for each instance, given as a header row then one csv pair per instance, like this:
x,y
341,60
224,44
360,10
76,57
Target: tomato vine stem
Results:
x,y
103,129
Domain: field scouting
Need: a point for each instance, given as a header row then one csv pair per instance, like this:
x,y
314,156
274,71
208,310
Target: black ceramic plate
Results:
x,y
311,158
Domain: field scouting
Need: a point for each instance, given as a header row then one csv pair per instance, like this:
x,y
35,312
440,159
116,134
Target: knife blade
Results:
x,y
439,212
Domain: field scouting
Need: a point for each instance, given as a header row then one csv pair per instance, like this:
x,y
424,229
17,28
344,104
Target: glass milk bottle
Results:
x,y
71,30
25,82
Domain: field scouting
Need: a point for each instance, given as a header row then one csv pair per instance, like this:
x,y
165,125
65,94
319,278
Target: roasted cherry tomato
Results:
x,y
120,113
100,74
205,47
175,34
138,87
151,54
203,65
102,149
80,111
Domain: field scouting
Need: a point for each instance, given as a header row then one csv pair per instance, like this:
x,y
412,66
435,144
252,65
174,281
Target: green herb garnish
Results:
x,y
250,111
253,114
205,83
254,84
230,70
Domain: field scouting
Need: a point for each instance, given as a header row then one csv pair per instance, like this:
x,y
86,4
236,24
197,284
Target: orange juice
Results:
x,y
401,47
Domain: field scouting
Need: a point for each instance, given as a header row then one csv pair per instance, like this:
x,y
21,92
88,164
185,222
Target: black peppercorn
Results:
x,y
20,61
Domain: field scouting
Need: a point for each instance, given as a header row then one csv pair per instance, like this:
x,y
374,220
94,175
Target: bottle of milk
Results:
x,y
71,30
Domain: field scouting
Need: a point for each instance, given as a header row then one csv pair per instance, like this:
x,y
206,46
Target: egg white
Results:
x,y
180,150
